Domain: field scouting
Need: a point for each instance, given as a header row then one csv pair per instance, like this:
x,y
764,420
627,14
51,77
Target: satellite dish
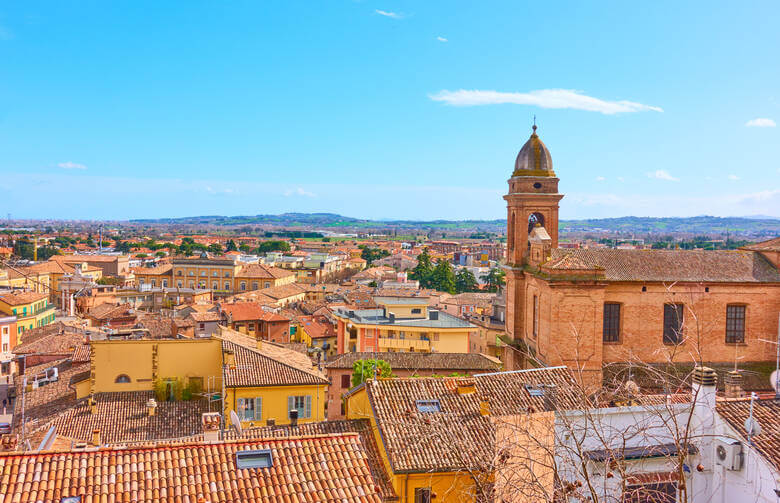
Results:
x,y
236,422
773,380
752,427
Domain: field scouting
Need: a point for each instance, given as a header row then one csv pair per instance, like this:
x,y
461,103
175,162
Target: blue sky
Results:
x,y
386,109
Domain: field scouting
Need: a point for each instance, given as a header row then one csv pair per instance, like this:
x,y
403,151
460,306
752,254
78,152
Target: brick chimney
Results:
x,y
92,405
230,358
151,406
211,422
484,406
465,385
733,385
96,437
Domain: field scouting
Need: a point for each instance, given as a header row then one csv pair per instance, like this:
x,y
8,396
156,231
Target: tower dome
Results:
x,y
534,159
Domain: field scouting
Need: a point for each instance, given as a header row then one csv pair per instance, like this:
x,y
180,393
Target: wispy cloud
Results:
x,y
71,165
299,191
600,178
442,39
661,174
393,15
761,122
733,177
544,98
621,179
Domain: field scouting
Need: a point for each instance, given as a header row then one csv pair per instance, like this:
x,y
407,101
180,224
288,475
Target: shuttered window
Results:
x,y
250,409
673,323
735,324
300,403
611,332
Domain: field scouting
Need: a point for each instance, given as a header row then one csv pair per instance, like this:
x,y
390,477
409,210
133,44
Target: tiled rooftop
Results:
x,y
330,468
766,412
377,317
17,299
728,266
422,361
457,437
56,338
360,426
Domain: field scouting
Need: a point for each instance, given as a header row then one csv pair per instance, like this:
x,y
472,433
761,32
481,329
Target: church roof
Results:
x,y
533,159
719,266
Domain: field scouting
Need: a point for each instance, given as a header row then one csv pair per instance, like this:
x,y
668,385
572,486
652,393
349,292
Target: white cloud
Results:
x,y
442,39
71,165
760,122
298,191
600,178
545,98
661,174
393,15
733,177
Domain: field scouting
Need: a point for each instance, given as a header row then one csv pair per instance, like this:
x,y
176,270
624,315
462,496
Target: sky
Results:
x,y
386,109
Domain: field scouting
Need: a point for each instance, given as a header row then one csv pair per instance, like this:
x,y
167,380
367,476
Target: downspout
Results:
x,y
406,487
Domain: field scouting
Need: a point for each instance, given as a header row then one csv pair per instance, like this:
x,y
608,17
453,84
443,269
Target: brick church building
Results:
x,y
593,309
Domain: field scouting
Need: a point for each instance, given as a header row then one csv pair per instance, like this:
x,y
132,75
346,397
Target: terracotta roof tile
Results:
x,y
263,272
766,412
56,338
671,265
16,299
330,468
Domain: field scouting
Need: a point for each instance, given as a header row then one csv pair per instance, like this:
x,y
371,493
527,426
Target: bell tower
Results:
x,y
532,202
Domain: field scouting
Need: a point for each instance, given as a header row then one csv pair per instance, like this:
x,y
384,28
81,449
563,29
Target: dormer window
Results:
x,y
254,459
535,389
428,406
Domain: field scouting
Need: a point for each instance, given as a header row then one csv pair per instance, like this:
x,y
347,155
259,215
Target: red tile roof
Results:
x,y
17,299
733,266
766,412
329,468
249,311
263,272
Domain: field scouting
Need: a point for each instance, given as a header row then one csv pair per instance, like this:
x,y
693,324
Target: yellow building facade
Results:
x,y
32,310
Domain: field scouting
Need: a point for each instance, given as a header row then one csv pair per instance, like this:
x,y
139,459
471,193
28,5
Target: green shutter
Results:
x,y
258,408
307,411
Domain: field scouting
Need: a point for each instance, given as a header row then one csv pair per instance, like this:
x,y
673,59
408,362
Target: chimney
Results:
x,y
733,385
96,437
211,422
270,421
151,406
293,417
230,358
703,421
484,406
465,386
391,316
92,405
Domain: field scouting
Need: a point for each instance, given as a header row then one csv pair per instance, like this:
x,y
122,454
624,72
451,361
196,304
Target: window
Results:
x,y
243,285
536,316
227,274
251,327
154,283
655,492
250,409
611,331
178,283
535,389
190,273
673,323
254,459
267,284
178,273
346,381
300,403
215,286
165,283
215,274
202,273
255,285
416,310
428,406
227,286
192,284
122,378
735,324
422,495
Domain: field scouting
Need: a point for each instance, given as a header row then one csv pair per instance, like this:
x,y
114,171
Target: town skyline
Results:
x,y
385,113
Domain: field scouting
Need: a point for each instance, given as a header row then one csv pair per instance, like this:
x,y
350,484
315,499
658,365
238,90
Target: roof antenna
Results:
x,y
534,126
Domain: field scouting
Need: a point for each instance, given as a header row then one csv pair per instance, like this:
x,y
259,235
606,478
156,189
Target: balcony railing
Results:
x,y
406,344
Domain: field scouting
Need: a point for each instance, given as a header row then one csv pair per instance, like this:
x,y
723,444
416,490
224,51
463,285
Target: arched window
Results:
x,y
178,273
533,219
122,378
510,239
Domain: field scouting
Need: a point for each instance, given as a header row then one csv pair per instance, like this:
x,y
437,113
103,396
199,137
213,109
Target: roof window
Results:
x,y
535,389
254,459
427,406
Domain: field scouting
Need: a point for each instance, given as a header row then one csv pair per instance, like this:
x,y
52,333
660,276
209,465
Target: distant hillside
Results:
x,y
756,226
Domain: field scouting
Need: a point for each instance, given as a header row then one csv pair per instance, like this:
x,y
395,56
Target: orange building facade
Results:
x,y
591,309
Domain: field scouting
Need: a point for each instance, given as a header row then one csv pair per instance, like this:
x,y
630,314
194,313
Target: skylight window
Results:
x,y
254,459
535,389
428,406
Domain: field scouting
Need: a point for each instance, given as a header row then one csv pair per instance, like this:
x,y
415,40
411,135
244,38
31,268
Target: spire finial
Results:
x,y
534,126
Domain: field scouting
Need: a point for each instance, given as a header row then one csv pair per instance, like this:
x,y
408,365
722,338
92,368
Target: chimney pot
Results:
x,y
293,417
151,406
733,385
705,376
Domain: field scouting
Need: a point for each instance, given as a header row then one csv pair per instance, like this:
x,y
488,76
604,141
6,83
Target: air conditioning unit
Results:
x,y
728,453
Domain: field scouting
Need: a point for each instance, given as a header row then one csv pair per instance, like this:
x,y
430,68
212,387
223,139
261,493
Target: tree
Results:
x,y
24,248
122,246
371,254
363,370
274,245
215,248
423,270
465,281
495,279
231,246
244,248
443,278
44,252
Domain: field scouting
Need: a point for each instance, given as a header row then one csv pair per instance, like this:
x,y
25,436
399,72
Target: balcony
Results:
x,y
404,344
